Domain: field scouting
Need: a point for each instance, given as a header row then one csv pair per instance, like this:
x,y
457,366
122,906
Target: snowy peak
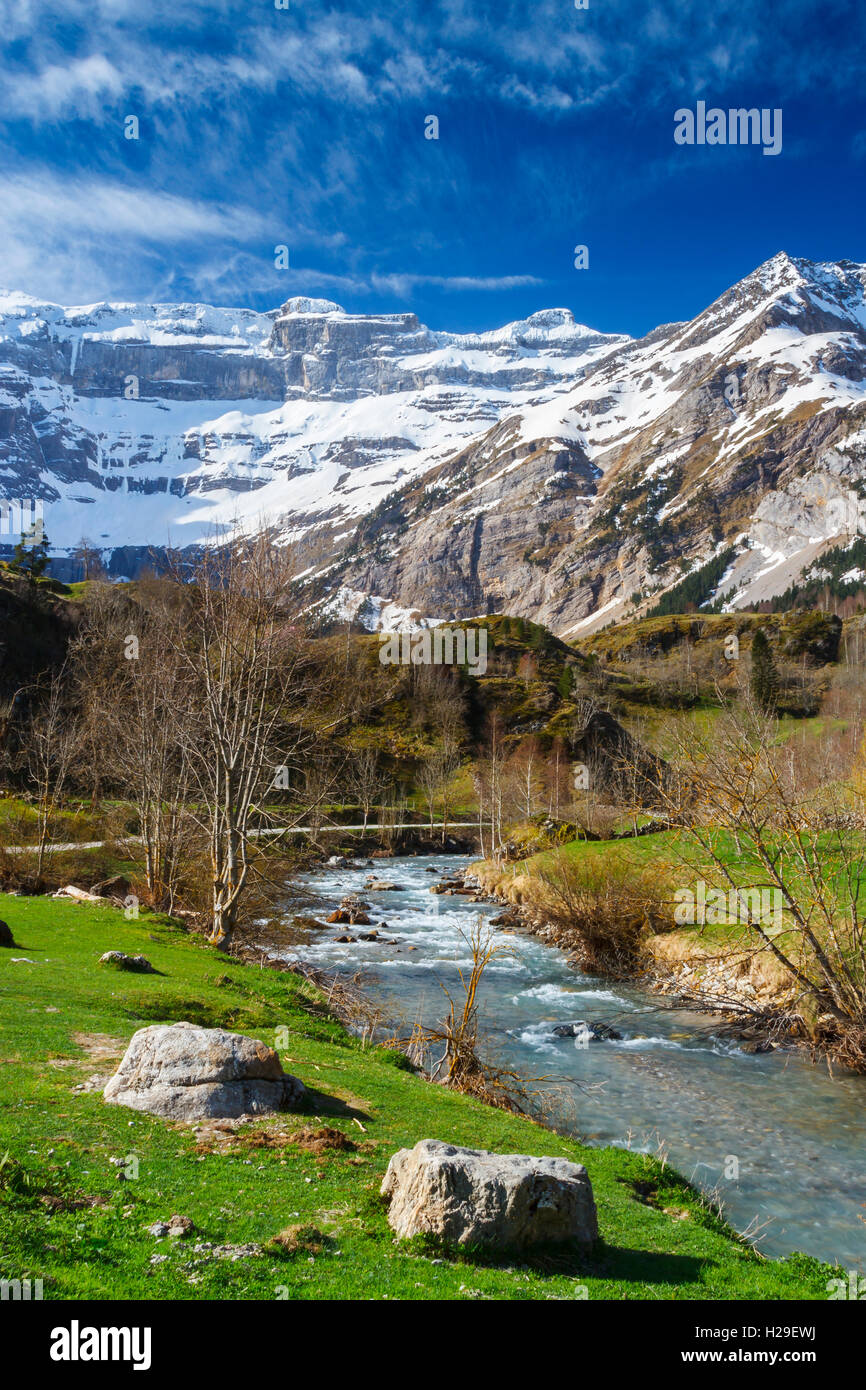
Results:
x,y
743,430
299,304
540,466
26,320
788,289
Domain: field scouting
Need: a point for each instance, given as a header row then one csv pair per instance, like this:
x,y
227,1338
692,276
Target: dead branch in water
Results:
x,y
461,1065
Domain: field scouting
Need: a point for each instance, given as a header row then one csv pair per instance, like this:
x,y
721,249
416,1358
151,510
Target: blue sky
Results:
x,y
305,127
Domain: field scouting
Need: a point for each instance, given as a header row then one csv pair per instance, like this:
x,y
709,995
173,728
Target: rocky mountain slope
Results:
x,y
740,433
541,469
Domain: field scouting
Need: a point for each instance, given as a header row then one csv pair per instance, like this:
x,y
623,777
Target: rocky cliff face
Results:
x,y
541,468
744,429
140,425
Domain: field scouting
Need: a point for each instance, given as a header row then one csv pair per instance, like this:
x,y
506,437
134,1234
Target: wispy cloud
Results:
x,y
306,127
80,238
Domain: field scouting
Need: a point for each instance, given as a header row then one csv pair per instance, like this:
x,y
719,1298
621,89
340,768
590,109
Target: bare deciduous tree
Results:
x,y
246,670
51,744
738,782
366,779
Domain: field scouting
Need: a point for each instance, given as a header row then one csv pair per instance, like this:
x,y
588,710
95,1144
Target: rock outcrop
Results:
x,y
184,1072
119,960
495,1201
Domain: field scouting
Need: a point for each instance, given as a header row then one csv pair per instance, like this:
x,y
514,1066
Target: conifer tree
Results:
x,y
764,682
30,556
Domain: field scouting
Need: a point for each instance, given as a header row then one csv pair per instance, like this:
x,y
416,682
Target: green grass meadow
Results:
x,y
66,1218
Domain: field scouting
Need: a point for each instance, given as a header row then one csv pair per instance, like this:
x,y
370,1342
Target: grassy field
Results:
x,y
67,1219
673,859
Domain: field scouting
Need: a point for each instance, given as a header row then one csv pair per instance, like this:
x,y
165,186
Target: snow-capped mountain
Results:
x,y
541,468
153,424
742,430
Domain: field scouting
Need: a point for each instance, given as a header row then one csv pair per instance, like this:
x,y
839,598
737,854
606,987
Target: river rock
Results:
x,y
185,1072
355,917
598,1031
498,1201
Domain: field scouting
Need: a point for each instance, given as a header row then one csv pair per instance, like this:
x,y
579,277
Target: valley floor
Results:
x,y
68,1218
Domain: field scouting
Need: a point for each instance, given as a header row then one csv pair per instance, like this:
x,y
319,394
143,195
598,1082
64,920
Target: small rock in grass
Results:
x,y
179,1227
140,965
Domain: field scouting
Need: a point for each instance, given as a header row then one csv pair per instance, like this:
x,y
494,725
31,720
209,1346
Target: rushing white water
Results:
x,y
670,1084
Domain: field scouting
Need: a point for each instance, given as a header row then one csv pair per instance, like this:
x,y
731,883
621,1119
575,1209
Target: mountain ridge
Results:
x,y
567,475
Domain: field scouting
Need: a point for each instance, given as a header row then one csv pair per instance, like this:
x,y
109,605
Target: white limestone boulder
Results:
x,y
497,1201
185,1072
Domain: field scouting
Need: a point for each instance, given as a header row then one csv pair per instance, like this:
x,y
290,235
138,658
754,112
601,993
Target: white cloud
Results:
x,y
80,240
79,88
83,239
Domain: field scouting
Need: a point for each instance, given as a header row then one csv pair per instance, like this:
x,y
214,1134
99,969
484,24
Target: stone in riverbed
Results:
x,y
598,1032
498,1201
184,1072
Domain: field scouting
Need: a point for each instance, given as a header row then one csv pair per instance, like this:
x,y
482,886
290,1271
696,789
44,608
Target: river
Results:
x,y
671,1085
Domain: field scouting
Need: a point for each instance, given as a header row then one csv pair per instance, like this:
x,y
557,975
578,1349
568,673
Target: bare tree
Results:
x,y
246,667
737,781
523,776
489,779
51,744
366,779
90,559
435,774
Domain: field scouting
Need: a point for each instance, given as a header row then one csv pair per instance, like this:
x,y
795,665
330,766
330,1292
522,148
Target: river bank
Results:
x,y
777,1139
749,990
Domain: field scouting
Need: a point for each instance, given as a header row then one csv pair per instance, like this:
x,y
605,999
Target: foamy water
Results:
x,y
669,1083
